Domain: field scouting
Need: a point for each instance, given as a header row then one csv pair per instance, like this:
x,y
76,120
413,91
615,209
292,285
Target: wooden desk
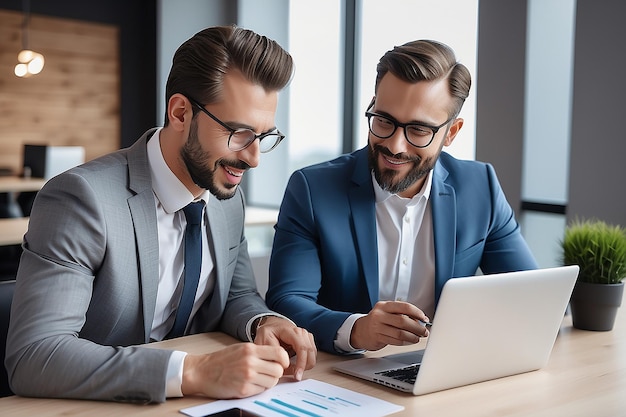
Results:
x,y
586,376
18,184
12,230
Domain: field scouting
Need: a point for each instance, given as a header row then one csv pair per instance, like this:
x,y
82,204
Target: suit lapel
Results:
x,y
361,196
217,228
143,213
443,201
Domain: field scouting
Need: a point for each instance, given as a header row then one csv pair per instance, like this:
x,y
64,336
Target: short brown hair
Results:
x,y
199,64
426,60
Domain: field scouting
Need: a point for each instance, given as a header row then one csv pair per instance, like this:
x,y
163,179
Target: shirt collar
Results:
x,y
169,190
383,195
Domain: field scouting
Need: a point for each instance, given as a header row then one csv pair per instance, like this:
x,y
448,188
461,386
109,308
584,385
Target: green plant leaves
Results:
x,y
598,248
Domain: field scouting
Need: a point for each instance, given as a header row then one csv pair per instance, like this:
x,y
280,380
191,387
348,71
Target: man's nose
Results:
x,y
397,142
251,154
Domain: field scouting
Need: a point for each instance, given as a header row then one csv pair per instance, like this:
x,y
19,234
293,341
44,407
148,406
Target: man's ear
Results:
x,y
456,125
179,111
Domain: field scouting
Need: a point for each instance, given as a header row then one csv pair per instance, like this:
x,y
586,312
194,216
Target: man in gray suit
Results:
x,y
103,262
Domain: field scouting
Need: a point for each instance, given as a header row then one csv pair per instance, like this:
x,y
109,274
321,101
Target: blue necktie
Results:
x,y
193,262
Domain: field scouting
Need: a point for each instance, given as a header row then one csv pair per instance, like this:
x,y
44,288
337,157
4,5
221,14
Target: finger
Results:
x,y
400,315
302,344
306,358
408,309
399,336
408,324
258,378
380,319
266,381
267,369
274,354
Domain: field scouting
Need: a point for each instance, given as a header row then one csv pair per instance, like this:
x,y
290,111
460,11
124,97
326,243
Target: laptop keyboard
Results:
x,y
407,374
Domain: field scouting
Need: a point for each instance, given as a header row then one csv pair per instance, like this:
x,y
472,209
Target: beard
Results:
x,y
198,165
391,180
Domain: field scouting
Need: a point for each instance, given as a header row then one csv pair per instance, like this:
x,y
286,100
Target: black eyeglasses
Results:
x,y
417,134
240,139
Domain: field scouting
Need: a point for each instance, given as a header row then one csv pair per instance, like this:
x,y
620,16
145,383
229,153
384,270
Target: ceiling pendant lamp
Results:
x,y
29,62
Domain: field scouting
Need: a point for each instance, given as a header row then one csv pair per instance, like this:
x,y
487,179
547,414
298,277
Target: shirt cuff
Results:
x,y
251,321
174,377
342,340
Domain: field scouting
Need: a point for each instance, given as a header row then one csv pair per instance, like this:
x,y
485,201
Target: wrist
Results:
x,y
354,339
256,325
189,379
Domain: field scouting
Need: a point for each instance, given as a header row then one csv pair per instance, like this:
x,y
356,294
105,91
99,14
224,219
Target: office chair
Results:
x,y
6,296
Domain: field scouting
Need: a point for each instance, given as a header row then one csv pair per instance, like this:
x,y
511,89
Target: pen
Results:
x,y
428,325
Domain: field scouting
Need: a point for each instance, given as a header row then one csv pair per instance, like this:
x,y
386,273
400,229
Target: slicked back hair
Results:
x,y
199,64
427,60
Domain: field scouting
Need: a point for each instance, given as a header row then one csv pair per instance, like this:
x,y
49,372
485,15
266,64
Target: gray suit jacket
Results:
x,y
87,284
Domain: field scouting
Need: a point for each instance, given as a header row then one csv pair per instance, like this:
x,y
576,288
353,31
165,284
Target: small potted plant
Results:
x,y
599,249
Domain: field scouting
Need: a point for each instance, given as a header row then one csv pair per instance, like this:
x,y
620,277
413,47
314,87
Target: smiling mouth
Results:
x,y
233,173
392,163
395,161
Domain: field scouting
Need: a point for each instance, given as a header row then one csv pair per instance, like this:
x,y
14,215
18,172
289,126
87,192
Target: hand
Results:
x,y
237,371
388,323
276,331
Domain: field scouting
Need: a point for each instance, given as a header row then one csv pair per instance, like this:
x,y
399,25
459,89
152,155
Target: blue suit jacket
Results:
x,y
324,263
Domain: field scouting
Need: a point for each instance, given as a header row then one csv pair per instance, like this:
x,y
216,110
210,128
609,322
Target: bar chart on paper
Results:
x,y
308,398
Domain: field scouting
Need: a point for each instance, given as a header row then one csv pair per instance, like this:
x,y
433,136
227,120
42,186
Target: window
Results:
x,y
316,109
312,111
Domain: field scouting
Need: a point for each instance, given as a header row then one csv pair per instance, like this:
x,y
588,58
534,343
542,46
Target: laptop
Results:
x,y
485,327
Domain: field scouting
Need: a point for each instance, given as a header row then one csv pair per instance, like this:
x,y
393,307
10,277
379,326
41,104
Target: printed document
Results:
x,y
307,398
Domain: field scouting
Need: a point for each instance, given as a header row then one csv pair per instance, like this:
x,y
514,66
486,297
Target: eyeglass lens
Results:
x,y
384,128
241,139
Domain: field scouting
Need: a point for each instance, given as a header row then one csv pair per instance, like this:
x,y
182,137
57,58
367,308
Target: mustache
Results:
x,y
235,164
382,150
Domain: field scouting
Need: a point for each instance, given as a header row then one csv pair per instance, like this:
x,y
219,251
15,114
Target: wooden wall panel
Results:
x,y
74,101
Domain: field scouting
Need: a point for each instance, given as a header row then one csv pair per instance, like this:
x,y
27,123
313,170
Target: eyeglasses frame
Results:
x,y
232,131
397,124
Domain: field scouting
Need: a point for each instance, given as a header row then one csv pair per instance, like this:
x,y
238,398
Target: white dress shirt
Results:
x,y
406,254
170,196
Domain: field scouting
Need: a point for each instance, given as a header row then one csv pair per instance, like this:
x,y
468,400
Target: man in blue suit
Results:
x,y
365,243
